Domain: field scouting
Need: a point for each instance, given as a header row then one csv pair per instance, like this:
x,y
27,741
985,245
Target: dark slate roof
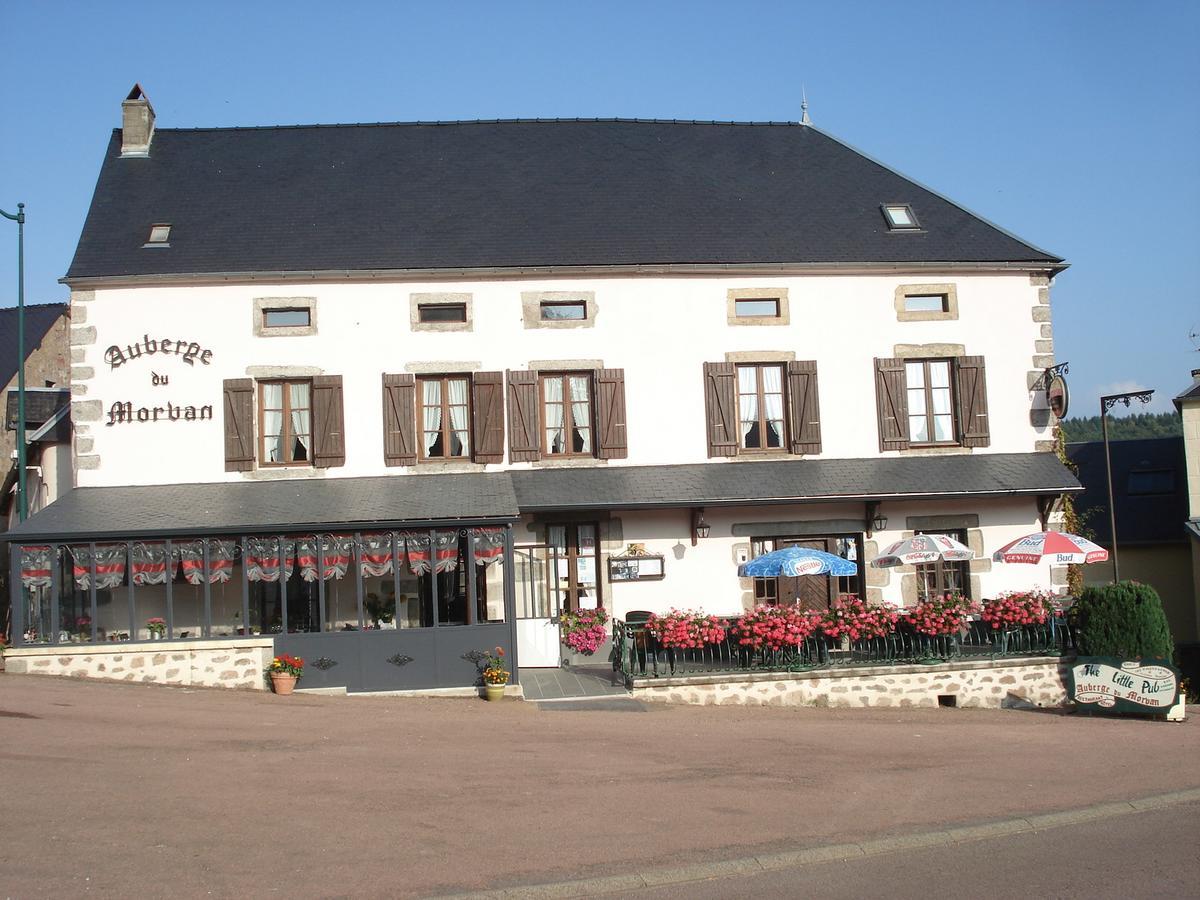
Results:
x,y
1189,393
39,318
469,195
791,481
268,506
1141,518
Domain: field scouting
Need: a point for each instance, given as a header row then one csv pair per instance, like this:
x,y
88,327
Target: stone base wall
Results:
x,y
229,664
1028,682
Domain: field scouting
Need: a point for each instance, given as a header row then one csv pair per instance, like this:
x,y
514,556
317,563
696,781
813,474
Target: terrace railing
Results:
x,y
637,653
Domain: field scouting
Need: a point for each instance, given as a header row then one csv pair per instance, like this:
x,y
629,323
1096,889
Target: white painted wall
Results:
x,y
658,329
705,576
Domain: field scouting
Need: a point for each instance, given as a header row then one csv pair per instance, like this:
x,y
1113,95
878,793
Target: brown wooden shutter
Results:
x,y
804,407
524,443
399,420
488,408
891,404
720,408
972,401
239,424
328,422
613,442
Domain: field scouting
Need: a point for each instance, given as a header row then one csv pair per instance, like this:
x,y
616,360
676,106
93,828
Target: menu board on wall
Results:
x,y
636,568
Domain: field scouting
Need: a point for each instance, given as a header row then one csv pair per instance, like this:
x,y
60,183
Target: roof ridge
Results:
x,y
28,306
512,121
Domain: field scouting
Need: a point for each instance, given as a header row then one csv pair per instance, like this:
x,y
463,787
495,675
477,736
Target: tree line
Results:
x,y
1124,428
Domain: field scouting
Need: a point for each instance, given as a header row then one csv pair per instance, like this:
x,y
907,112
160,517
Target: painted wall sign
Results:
x,y
188,351
1108,684
126,412
1058,398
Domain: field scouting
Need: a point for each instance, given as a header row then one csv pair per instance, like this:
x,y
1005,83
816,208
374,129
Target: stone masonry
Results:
x,y
1028,682
228,664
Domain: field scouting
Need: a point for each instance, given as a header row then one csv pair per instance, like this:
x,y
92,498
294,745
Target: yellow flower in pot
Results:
x,y
495,676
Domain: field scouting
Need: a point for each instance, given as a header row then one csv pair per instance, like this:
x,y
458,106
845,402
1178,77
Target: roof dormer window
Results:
x,y
900,217
160,235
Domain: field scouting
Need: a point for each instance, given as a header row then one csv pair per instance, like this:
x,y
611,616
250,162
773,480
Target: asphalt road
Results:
x,y
1146,855
121,790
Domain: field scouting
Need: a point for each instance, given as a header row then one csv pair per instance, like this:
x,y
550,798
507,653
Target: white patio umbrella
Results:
x,y
922,548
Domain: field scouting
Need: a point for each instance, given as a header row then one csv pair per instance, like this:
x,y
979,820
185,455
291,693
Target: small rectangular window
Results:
x,y
767,307
900,217
1152,481
287,318
559,310
926,303
442,312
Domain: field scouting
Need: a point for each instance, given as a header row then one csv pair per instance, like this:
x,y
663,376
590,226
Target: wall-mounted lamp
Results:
x,y
874,521
700,528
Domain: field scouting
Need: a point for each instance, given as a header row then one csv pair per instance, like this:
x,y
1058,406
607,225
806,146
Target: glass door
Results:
x,y
537,608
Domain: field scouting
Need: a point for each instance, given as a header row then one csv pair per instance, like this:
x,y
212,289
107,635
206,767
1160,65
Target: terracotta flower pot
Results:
x,y
494,691
283,683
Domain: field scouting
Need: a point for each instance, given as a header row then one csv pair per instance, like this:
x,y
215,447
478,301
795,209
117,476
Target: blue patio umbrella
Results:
x,y
793,561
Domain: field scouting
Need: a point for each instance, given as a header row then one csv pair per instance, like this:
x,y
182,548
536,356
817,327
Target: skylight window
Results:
x,y
900,217
159,236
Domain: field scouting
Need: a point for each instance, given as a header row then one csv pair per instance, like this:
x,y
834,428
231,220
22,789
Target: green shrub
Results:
x,y
1124,620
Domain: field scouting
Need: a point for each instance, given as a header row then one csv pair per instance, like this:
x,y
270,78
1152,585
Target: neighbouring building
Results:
x,y
1150,498
1188,404
450,379
48,469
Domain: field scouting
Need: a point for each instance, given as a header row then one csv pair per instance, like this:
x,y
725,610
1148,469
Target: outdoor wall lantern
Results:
x,y
879,523
700,528
874,520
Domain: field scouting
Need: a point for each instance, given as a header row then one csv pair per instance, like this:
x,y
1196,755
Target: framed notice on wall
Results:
x,y
636,568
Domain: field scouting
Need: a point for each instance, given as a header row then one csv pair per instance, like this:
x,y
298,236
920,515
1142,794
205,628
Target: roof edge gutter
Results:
x,y
825,498
1046,267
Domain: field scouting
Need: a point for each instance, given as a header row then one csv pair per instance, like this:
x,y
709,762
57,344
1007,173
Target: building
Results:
x,y
1188,404
454,378
1150,499
48,472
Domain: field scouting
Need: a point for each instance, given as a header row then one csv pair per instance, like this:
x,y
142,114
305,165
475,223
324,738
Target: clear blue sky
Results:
x,y
1075,125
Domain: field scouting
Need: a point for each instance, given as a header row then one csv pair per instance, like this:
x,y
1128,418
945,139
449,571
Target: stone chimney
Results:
x,y
137,123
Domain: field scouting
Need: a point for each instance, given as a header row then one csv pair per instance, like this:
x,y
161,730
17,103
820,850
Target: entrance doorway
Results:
x,y
558,576
815,592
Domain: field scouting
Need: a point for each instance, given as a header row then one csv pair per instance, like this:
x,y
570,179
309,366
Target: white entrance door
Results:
x,y
537,609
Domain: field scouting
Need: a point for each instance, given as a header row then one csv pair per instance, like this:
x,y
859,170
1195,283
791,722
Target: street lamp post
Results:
x,y
1107,403
19,218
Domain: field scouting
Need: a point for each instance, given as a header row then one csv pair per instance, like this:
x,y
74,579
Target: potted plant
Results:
x,y
157,627
495,676
285,671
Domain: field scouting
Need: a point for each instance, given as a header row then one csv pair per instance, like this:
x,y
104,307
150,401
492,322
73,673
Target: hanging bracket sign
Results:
x,y
1109,684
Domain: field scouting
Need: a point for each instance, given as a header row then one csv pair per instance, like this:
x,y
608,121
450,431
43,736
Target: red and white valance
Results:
x,y
375,554
416,545
37,564
446,547
220,561
110,565
152,564
489,545
336,552
262,559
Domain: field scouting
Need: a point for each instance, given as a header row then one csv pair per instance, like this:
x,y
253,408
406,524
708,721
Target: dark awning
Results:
x,y
793,481
98,513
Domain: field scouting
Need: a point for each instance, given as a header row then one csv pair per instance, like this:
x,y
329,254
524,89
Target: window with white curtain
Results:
x,y
930,401
444,416
567,414
761,407
285,423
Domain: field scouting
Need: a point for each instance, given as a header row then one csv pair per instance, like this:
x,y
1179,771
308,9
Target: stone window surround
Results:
x,y
768,293
531,308
950,292
265,303
417,300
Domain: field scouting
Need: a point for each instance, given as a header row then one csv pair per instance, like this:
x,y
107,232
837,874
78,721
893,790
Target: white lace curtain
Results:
x,y
457,395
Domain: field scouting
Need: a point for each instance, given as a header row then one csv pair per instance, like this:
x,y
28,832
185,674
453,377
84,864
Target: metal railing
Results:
x,y
637,653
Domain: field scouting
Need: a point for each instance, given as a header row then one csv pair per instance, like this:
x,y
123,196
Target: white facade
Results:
x,y
660,330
